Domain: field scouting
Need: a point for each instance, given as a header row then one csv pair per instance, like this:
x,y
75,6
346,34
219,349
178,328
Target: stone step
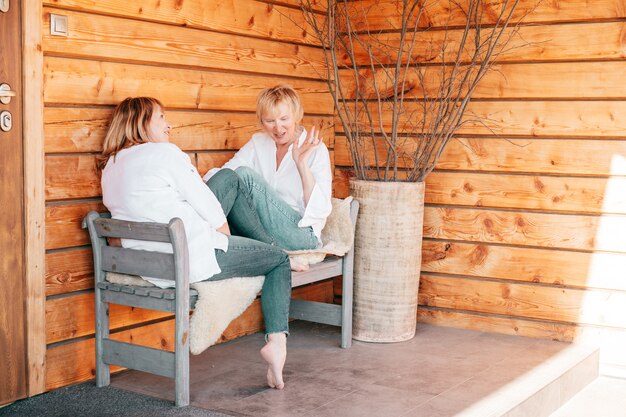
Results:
x,y
541,390
606,397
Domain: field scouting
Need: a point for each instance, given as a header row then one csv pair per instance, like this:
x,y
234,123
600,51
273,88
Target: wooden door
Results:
x,y
12,287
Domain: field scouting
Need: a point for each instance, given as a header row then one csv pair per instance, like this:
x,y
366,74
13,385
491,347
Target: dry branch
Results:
x,y
376,78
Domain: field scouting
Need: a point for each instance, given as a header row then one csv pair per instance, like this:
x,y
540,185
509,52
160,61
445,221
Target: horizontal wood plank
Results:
x,y
69,271
384,14
542,156
558,231
75,176
510,155
571,119
541,43
81,129
555,80
73,316
514,326
601,270
546,193
210,160
123,229
341,182
141,358
593,307
71,176
84,82
132,262
246,17
527,192
75,129
63,224
101,37
316,5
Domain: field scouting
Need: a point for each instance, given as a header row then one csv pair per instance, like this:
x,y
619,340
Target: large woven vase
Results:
x,y
387,259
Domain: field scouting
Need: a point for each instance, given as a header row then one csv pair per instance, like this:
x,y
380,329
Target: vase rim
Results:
x,y
399,183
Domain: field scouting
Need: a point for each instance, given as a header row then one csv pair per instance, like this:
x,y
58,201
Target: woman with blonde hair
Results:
x,y
287,171
147,179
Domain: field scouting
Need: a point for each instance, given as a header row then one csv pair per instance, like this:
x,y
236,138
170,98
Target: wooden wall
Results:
x,y
207,61
525,220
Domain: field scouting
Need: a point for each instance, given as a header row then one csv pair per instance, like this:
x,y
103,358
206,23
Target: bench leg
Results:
x,y
103,374
346,304
182,357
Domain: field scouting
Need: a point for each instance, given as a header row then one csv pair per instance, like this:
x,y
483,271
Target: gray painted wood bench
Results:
x,y
182,299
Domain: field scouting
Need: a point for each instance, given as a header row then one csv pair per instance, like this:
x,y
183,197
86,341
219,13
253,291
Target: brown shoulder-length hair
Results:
x,y
128,127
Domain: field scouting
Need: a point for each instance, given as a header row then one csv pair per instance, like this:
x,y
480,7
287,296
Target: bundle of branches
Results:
x,y
402,73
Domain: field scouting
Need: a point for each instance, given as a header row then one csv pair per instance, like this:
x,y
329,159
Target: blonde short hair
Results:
x,y
270,98
128,127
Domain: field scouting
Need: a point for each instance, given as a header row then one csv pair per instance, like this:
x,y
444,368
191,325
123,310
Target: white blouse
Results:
x,y
260,154
155,182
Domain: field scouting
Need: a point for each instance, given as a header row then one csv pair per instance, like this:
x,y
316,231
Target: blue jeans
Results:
x,y
238,206
248,258
276,216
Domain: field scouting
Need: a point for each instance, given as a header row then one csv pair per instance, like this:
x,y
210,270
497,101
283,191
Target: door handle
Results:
x,y
6,93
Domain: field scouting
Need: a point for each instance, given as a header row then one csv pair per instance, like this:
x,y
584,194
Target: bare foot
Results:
x,y
297,266
275,353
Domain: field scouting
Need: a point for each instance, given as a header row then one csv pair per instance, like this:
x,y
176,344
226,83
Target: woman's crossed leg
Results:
x,y
248,258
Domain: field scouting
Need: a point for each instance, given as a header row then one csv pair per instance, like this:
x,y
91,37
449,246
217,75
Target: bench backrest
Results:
x,y
107,258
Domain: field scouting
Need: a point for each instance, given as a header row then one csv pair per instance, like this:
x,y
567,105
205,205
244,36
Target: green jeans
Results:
x,y
276,216
255,210
238,206
248,258
254,252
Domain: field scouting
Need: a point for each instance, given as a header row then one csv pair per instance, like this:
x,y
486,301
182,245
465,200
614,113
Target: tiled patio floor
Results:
x,y
441,372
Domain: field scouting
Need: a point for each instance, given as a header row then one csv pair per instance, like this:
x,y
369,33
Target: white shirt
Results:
x,y
260,154
155,182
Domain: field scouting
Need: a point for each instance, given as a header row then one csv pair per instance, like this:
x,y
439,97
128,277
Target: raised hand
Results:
x,y
302,153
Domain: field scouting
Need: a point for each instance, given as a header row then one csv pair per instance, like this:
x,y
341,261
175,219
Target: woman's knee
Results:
x,y
248,175
245,171
282,259
224,179
225,174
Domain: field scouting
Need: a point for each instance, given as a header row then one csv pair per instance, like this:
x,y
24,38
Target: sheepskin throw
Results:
x,y
337,235
123,279
219,303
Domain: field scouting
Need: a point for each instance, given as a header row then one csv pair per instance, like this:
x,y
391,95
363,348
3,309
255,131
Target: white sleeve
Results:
x,y
244,157
187,181
320,205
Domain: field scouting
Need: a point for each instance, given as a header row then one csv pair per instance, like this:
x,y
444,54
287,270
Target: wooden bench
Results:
x,y
182,299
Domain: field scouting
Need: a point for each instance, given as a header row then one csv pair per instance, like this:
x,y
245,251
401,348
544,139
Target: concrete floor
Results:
x,y
441,372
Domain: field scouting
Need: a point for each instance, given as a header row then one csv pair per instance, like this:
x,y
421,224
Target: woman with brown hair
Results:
x,y
147,179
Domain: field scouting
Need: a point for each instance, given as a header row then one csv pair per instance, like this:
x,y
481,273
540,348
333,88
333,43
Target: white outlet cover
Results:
x,y
58,25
